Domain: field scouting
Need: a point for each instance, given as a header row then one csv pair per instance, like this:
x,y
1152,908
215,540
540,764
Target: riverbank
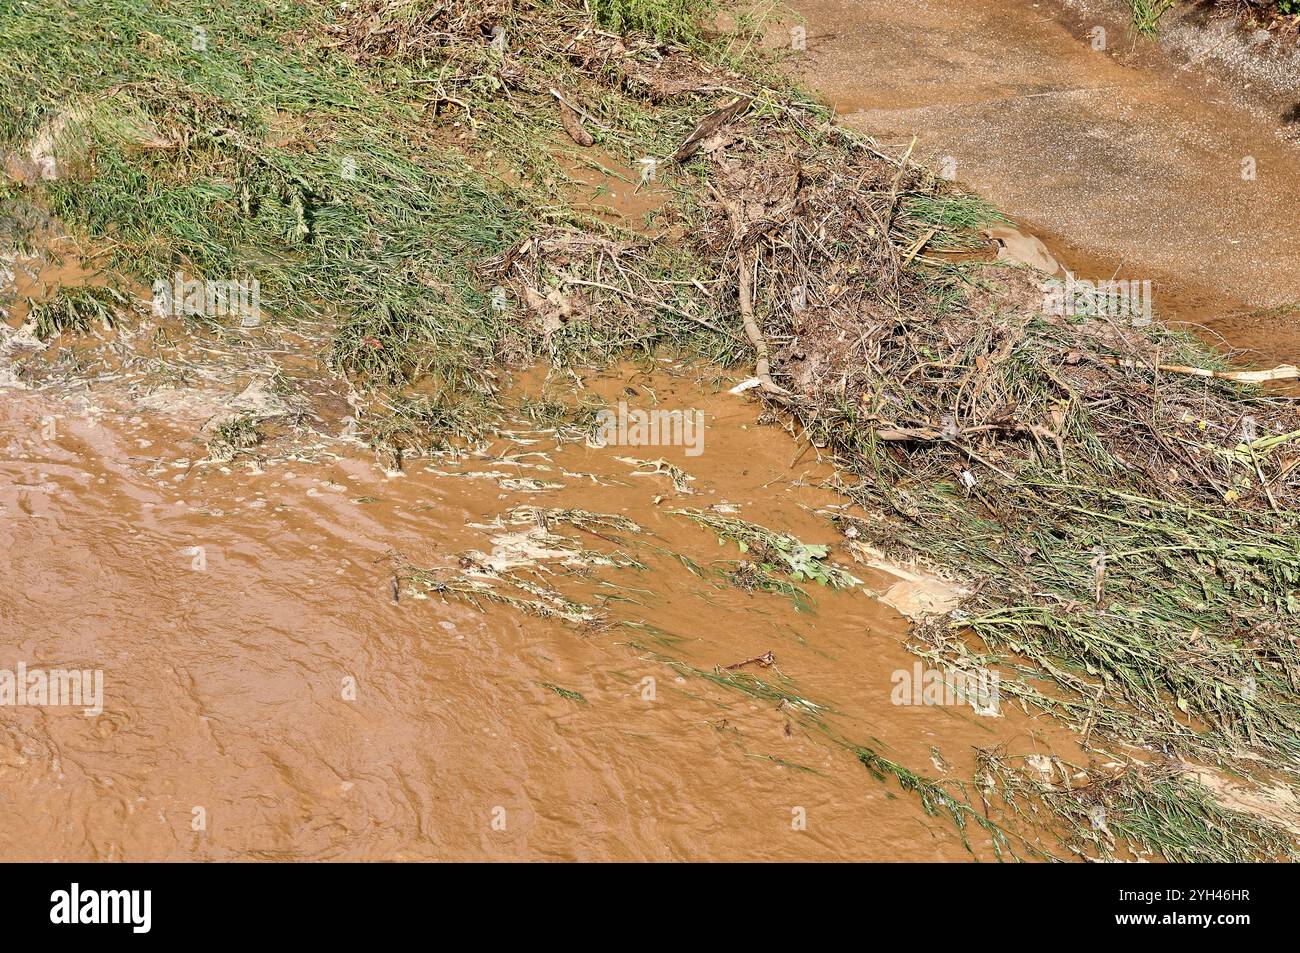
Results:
x,y
399,180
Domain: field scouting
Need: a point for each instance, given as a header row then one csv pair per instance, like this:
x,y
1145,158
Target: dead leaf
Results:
x,y
709,125
572,122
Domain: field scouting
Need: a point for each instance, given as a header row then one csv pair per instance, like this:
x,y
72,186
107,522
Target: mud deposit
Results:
x,y
1127,163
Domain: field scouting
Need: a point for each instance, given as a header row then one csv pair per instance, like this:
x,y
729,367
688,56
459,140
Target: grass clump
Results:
x,y
221,144
1147,14
597,524
476,585
667,20
578,421
775,552
566,693
424,424
75,310
1134,810
232,437
938,800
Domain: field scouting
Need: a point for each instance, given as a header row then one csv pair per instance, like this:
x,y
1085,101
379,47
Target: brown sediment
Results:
x,y
612,190
597,183
57,262
1135,163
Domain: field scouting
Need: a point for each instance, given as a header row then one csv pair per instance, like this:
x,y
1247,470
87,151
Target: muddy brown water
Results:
x,y
269,695
224,682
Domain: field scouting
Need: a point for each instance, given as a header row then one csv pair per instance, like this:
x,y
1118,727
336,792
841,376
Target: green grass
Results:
x,y
1147,14
76,309
674,20
774,551
271,154
230,196
1109,813
566,693
958,217
232,437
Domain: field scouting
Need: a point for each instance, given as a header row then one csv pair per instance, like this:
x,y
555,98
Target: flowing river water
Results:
x,y
278,685
226,679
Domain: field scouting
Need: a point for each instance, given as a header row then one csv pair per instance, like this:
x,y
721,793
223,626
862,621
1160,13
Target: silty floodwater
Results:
x,y
277,685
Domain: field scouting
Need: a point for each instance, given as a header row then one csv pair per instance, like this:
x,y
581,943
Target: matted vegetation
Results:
x,y
76,310
1277,16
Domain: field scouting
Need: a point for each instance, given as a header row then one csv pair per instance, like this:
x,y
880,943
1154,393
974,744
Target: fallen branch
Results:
x,y
762,364
1283,372
709,125
766,660
639,299
918,245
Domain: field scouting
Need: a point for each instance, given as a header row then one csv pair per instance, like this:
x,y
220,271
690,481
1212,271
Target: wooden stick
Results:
x,y
711,124
762,366
1283,372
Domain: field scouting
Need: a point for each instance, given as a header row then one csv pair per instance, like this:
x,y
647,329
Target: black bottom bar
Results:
x,y
336,902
